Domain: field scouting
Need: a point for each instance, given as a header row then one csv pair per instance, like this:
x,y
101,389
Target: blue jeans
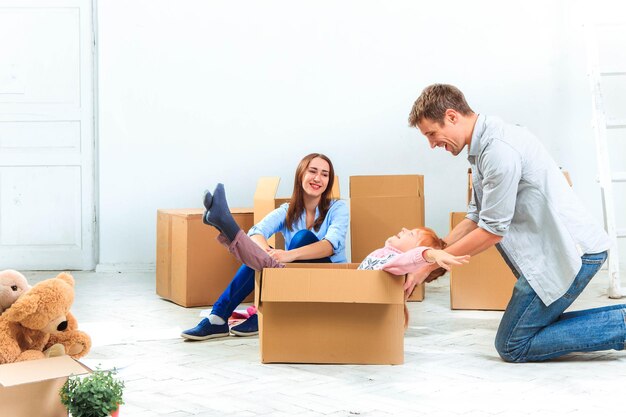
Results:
x,y
242,283
531,331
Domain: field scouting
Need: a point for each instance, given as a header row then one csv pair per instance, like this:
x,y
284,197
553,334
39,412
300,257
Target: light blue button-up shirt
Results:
x,y
521,195
333,229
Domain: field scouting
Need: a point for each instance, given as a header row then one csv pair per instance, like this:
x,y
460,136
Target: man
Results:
x,y
523,205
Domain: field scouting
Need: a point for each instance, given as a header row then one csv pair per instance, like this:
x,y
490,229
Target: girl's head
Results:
x,y
314,178
408,239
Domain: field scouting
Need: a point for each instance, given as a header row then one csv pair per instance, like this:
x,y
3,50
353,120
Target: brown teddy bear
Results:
x,y
12,285
39,324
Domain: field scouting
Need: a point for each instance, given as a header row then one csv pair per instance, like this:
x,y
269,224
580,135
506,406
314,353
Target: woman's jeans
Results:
x,y
243,282
532,331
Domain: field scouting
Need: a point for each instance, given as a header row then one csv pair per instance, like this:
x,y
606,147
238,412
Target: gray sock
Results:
x,y
218,213
217,320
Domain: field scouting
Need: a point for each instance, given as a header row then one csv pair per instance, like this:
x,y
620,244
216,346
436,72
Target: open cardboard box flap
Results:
x,y
26,372
313,283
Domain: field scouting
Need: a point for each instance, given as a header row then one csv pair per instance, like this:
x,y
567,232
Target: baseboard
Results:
x,y
126,267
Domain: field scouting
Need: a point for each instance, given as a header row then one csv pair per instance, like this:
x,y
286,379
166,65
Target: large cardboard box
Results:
x,y
380,206
265,200
31,388
330,313
192,267
486,283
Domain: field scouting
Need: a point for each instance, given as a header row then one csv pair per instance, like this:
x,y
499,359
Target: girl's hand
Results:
x,y
283,256
444,259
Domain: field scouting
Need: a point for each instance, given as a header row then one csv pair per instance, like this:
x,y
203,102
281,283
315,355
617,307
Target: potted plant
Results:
x,y
98,394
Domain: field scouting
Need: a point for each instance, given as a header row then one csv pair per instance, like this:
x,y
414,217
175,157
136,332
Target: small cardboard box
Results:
x,y
486,283
330,313
31,388
265,201
192,267
380,206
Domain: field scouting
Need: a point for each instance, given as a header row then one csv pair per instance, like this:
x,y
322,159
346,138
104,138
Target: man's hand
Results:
x,y
280,255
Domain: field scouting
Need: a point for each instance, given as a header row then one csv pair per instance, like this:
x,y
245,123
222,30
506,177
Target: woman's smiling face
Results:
x,y
315,178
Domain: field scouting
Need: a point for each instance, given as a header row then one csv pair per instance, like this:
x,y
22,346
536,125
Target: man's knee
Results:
x,y
508,351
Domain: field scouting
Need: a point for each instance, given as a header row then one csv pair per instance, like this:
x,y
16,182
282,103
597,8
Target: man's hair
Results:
x,y
435,100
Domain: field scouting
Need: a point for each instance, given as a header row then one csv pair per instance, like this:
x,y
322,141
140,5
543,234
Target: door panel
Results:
x,y
46,135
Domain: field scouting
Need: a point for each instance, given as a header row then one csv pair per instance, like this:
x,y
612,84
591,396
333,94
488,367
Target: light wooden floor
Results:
x,y
451,367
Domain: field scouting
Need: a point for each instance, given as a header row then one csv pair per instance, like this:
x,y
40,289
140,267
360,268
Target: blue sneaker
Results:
x,y
250,327
205,330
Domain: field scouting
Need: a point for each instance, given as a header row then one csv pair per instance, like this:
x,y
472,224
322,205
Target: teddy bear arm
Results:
x,y
29,355
77,344
9,351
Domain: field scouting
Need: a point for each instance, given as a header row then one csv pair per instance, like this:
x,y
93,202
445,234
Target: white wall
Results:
x,y
192,93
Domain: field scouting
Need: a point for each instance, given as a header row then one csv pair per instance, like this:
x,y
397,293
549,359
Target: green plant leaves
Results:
x,y
94,395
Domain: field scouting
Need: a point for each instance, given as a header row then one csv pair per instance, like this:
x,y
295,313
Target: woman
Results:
x,y
314,227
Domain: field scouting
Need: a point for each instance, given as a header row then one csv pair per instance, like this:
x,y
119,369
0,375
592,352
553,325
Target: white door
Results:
x,y
47,211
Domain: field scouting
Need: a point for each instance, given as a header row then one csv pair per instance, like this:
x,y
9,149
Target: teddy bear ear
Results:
x,y
66,277
24,306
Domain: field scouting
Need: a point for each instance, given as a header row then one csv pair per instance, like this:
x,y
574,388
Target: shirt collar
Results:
x,y
479,129
392,249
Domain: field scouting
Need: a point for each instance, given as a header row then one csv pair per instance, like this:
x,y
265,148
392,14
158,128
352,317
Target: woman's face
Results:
x,y
406,239
315,177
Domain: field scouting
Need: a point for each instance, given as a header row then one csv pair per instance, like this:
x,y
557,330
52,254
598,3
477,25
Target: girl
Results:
x,y
314,227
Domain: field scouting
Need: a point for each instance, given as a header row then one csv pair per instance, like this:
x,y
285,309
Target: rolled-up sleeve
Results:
x,y
337,218
501,167
270,224
472,210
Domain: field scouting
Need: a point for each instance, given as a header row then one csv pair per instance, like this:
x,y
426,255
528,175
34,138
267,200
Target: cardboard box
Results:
x,y
31,388
380,206
192,267
330,313
265,200
486,283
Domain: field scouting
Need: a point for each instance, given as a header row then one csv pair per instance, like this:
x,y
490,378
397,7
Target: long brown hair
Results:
x,y
296,204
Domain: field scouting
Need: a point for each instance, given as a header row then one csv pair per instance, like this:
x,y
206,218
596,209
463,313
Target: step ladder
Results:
x,y
599,75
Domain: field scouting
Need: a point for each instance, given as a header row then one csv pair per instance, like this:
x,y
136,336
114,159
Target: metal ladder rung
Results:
x,y
616,124
618,177
612,72
620,233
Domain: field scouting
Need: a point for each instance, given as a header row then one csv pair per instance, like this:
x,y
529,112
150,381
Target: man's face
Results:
x,y
448,136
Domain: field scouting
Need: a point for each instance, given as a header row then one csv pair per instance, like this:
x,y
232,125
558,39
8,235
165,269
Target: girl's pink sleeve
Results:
x,y
407,262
